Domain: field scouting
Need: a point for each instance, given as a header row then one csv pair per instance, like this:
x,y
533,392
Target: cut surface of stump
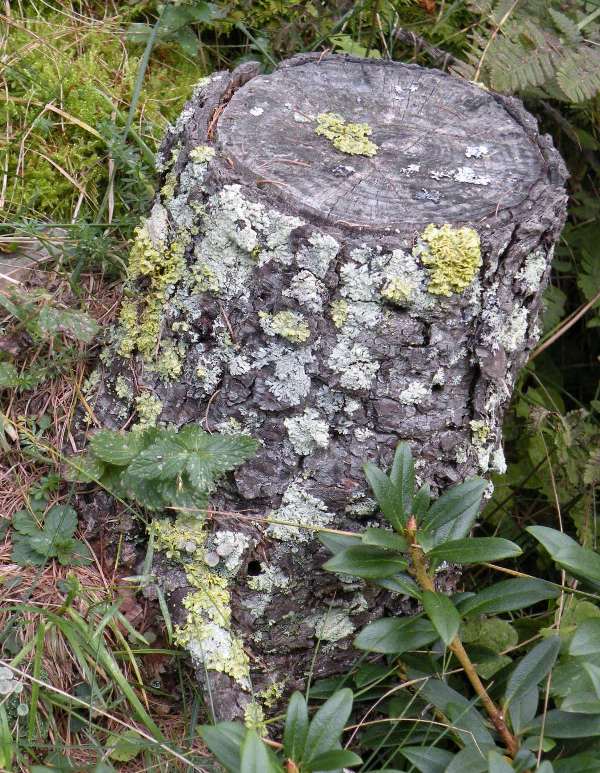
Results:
x,y
343,254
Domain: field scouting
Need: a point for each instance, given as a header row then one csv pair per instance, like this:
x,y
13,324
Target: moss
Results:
x,y
149,408
287,324
207,630
339,312
350,138
453,256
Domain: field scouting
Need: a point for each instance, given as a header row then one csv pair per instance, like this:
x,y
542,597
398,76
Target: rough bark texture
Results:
x,y
259,214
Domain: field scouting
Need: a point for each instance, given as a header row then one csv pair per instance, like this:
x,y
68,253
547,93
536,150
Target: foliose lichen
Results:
x,y
339,312
307,432
298,509
453,256
287,324
148,407
351,138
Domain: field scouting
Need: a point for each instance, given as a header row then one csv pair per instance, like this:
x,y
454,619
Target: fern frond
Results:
x,y
579,74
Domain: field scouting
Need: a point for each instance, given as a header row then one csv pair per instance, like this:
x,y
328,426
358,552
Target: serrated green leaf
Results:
x,y
452,515
23,553
124,746
84,468
60,522
75,323
530,671
225,741
366,561
327,725
25,523
9,376
475,550
117,448
43,544
508,595
384,539
162,460
442,613
393,636
296,727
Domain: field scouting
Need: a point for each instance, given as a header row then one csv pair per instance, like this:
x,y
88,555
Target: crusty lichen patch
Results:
x,y
207,632
307,432
287,324
453,256
351,138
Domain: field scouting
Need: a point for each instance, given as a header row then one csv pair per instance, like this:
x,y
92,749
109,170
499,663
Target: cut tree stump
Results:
x,y
343,254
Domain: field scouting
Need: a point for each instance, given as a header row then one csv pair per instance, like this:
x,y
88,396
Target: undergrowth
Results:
x,y
89,676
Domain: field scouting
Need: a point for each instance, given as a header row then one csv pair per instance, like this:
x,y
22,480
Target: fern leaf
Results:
x,y
565,26
579,74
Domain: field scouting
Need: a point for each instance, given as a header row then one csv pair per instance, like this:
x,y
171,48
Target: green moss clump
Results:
x,y
350,138
453,256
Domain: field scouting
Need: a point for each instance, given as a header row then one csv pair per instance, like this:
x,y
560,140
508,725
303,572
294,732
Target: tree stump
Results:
x,y
343,254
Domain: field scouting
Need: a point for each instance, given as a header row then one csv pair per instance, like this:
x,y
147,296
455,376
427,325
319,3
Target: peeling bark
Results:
x,y
303,314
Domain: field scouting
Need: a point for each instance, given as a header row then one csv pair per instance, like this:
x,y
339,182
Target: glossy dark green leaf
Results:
x,y
338,542
452,515
421,503
225,741
386,495
586,640
384,538
296,727
401,583
530,671
468,759
327,725
334,760
475,550
568,554
394,636
498,764
508,595
522,709
588,762
442,613
366,561
164,459
565,724
255,756
402,476
427,759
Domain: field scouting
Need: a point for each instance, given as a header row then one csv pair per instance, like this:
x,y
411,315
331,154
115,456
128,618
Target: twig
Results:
x,y
438,56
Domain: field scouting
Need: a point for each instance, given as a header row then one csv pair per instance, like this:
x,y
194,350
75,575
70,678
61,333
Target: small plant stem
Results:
x,y
420,573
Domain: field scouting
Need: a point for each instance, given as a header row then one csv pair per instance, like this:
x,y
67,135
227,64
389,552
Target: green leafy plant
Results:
x,y
497,726
35,541
159,468
307,745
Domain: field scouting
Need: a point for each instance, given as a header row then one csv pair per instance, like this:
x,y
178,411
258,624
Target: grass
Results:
x,y
86,98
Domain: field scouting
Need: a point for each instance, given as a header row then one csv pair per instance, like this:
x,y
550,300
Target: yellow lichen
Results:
x,y
398,291
202,154
453,256
349,138
254,718
207,629
162,265
169,362
339,313
149,408
287,324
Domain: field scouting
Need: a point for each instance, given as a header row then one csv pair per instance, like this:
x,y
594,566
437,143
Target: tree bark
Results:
x,y
332,303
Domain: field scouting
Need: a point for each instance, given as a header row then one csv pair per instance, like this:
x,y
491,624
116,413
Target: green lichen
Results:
x,y
202,154
254,718
162,266
453,256
207,630
287,324
350,138
398,291
123,388
272,694
480,431
169,362
339,312
148,408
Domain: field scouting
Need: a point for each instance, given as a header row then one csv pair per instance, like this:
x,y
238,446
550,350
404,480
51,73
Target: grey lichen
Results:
x,y
297,517
354,363
332,625
307,290
307,432
317,255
